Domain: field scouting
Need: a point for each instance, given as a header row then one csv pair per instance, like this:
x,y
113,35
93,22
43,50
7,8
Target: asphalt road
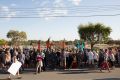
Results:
x,y
74,74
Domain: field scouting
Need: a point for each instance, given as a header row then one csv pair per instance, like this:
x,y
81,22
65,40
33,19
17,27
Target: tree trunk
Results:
x,y
92,44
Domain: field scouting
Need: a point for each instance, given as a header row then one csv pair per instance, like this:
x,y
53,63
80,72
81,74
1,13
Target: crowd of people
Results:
x,y
50,59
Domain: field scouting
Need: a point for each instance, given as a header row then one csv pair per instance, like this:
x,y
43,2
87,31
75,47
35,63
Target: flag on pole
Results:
x,y
39,45
48,43
78,45
62,44
82,46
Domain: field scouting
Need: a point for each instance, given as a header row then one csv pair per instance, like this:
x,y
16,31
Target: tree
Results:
x,y
3,42
22,36
16,36
94,33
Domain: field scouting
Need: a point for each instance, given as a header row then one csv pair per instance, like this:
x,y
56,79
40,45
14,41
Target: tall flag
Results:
x,y
51,44
82,46
39,46
63,45
48,43
78,45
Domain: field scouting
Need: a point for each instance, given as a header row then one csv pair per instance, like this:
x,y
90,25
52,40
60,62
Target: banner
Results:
x,y
14,68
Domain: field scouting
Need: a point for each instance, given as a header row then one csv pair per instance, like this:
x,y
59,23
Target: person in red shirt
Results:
x,y
39,62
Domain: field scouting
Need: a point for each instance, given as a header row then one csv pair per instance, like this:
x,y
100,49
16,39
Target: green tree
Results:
x,y
16,37
3,42
94,33
22,36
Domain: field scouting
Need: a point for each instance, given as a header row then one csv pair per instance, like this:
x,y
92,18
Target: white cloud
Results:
x,y
76,2
10,15
51,9
51,13
4,8
58,1
44,3
57,8
60,12
7,13
33,0
13,5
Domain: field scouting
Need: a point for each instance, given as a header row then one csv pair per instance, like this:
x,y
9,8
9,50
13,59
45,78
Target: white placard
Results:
x,y
14,68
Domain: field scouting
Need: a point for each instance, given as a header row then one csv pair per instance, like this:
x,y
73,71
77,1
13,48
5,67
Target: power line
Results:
x,y
80,8
71,9
51,11
85,6
66,16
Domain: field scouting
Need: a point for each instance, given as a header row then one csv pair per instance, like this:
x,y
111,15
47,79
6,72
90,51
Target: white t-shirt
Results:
x,y
95,56
90,55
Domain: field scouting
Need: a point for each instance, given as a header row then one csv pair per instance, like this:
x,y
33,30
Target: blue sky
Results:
x,y
57,28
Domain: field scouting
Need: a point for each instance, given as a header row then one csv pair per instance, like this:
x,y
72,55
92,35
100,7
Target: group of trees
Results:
x,y
91,33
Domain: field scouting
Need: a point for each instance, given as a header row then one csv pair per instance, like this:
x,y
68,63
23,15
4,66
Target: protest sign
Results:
x,y
14,68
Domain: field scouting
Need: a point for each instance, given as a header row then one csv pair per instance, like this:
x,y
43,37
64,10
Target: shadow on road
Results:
x,y
84,71
5,79
108,79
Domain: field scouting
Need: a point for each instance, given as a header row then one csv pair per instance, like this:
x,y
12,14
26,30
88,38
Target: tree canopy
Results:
x,y
16,36
3,42
94,33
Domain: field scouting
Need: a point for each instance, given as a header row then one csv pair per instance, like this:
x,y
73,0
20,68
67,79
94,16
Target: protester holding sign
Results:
x,y
15,64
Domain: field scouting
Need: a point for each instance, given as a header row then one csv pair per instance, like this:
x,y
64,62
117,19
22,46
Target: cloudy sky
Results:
x,y
57,19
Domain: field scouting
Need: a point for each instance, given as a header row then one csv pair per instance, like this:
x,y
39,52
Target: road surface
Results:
x,y
73,74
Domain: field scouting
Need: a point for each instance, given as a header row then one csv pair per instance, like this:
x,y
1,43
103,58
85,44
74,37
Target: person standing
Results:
x,y
96,57
7,58
119,57
91,58
43,60
2,56
14,59
105,63
21,58
39,62
101,57
112,59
